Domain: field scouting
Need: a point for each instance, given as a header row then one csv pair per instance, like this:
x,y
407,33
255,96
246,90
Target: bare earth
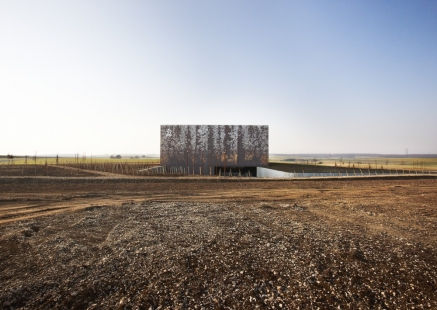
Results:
x,y
103,242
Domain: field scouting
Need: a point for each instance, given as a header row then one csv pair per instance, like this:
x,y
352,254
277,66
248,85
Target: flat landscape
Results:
x,y
93,240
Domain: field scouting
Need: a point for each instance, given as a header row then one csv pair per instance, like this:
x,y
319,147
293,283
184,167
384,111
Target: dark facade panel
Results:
x,y
215,146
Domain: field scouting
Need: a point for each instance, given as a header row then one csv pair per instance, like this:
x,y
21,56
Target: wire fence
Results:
x,y
270,173
155,169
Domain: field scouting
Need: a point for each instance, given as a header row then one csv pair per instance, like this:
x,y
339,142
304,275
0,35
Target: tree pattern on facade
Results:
x,y
214,145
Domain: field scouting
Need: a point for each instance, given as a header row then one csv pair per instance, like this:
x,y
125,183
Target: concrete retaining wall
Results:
x,y
270,173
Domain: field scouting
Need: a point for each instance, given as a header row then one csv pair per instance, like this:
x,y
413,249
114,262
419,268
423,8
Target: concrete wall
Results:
x,y
270,173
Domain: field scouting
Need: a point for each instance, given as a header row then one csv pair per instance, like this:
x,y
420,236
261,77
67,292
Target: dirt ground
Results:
x,y
102,242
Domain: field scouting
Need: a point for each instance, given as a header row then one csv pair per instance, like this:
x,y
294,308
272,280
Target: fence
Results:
x,y
270,173
126,168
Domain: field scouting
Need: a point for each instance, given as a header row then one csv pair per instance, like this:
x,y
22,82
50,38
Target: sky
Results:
x,y
101,77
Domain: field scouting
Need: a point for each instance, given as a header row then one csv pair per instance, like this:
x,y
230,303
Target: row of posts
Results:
x,y
187,171
361,173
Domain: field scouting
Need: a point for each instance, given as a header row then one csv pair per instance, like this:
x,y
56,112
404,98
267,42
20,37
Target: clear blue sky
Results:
x,y
326,76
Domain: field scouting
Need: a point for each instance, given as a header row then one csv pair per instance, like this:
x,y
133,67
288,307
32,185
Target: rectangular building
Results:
x,y
213,149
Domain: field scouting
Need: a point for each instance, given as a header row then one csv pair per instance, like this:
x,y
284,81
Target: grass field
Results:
x,y
413,162
71,160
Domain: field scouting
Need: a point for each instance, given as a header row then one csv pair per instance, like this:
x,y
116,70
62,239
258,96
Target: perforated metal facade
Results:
x,y
204,146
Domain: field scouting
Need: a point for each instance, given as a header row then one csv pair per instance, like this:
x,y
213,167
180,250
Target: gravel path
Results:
x,y
296,254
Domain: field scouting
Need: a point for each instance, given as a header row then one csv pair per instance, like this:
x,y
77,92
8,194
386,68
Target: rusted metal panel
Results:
x,y
214,146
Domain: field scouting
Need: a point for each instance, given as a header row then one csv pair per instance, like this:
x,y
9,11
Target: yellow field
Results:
x,y
392,163
72,160
352,161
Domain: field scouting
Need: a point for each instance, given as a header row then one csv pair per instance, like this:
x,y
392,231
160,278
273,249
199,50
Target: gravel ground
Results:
x,y
304,253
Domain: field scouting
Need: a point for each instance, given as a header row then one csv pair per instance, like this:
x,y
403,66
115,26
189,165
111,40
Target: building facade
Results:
x,y
214,149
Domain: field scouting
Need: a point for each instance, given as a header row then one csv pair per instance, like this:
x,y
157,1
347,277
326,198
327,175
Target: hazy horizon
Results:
x,y
325,76
87,155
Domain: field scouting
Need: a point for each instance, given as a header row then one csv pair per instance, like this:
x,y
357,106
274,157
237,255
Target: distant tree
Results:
x,y
112,156
118,157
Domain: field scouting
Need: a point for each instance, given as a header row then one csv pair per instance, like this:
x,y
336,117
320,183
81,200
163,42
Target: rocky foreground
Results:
x,y
179,255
